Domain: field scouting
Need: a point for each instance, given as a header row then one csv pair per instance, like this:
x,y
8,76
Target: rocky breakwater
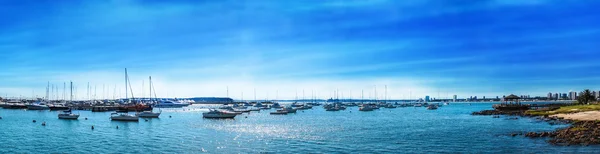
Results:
x,y
579,133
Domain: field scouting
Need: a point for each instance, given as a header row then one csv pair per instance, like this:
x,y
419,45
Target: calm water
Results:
x,y
406,130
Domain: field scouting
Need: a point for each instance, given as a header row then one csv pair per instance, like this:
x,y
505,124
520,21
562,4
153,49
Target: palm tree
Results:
x,y
585,97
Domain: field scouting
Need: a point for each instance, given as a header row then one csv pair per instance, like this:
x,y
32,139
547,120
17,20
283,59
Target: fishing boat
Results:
x,y
218,114
67,114
38,106
123,116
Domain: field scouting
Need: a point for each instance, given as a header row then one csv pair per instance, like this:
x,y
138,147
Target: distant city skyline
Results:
x,y
416,48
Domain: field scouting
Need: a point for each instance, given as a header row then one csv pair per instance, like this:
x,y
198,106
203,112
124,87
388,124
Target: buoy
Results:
x,y
117,127
146,119
85,118
34,121
169,116
92,127
0,117
246,116
43,123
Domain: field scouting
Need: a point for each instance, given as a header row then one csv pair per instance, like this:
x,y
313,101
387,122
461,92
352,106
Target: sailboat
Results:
x,y
149,114
67,114
123,115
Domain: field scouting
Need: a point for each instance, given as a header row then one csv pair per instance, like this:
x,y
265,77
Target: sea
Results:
x,y
449,129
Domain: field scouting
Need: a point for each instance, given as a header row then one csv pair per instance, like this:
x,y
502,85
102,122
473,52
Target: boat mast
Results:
x,y
71,97
126,90
64,91
386,94
48,91
150,87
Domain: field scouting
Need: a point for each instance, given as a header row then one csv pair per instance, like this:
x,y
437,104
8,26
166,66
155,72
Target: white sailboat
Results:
x,y
122,115
149,114
67,114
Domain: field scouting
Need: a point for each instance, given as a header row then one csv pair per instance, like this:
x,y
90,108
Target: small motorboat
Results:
x,y
218,114
68,115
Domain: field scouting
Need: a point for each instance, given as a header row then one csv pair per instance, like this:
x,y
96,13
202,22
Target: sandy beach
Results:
x,y
586,116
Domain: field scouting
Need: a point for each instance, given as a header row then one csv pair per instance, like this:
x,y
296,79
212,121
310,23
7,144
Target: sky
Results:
x,y
282,49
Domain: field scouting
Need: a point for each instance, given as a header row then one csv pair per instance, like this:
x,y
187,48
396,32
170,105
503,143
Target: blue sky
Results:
x,y
199,48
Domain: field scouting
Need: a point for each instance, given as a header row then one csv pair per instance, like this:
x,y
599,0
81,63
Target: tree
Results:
x,y
585,97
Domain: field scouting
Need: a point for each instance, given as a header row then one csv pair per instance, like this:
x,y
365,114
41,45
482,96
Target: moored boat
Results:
x,y
38,106
287,109
55,107
279,112
365,108
432,107
218,114
123,116
148,114
68,115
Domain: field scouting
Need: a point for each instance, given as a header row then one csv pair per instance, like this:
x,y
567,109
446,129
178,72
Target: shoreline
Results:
x,y
583,129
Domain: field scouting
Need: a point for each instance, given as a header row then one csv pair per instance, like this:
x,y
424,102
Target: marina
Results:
x,y
310,131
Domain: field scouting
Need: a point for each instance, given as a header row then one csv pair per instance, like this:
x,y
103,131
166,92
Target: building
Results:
x,y
556,95
564,96
573,95
454,98
550,96
427,99
595,93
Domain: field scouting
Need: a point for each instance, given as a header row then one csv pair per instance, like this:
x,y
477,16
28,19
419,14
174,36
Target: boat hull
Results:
x,y
124,118
70,117
148,115
218,116
36,107
59,108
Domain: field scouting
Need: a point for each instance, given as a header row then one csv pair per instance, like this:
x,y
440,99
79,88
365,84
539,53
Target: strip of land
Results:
x,y
581,116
